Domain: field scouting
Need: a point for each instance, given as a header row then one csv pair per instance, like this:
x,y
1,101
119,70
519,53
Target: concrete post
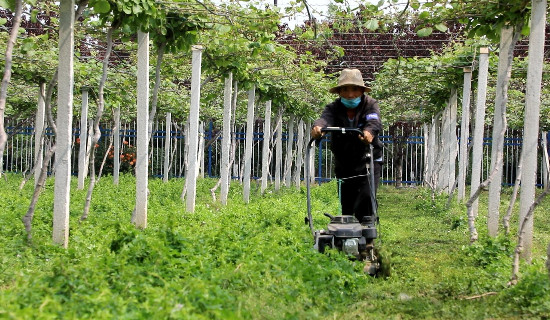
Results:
x,y
191,178
64,122
477,155
142,153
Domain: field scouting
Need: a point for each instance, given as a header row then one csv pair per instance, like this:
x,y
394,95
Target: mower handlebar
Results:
x,y
343,130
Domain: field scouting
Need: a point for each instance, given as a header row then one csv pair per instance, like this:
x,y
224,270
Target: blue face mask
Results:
x,y
351,103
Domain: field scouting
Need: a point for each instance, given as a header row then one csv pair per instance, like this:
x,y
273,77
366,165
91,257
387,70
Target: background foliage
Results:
x,y
427,43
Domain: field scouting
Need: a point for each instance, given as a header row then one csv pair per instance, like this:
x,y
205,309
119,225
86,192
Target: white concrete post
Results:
x,y
265,146
116,148
167,146
64,122
453,140
278,151
477,154
249,143
88,146
299,154
431,169
82,163
191,178
142,152
226,139
39,123
464,134
289,155
443,169
426,158
200,154
546,161
311,154
531,122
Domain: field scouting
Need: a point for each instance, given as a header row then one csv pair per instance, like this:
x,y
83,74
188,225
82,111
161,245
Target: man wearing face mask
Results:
x,y
353,109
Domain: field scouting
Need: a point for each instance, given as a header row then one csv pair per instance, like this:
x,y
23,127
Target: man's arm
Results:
x,y
326,120
373,124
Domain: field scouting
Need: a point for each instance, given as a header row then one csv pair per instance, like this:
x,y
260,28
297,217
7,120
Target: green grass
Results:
x,y
255,261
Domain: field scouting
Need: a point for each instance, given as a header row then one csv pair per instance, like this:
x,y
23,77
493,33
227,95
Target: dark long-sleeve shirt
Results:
x,y
350,153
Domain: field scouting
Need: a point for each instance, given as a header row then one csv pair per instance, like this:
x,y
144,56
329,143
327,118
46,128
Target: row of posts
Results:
x,y
64,118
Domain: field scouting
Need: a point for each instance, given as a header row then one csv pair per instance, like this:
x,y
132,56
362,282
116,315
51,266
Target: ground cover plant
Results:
x,y
256,261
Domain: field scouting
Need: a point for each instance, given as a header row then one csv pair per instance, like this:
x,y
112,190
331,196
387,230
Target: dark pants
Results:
x,y
355,196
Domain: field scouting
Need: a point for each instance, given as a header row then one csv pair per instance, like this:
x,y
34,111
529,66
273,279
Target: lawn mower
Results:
x,y
345,232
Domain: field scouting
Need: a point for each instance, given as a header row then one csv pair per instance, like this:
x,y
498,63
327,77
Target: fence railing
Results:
x,y
19,153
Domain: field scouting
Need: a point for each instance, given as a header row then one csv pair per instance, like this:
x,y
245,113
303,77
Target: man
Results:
x,y
354,109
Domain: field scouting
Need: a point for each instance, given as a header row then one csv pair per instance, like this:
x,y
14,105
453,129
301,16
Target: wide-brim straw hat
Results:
x,y
350,77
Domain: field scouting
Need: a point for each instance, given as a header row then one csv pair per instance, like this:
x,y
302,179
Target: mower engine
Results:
x,y
347,234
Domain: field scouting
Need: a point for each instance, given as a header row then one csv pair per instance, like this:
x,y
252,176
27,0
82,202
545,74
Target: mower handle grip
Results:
x,y
343,130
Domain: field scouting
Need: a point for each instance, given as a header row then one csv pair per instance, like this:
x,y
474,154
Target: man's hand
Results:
x,y
316,132
367,137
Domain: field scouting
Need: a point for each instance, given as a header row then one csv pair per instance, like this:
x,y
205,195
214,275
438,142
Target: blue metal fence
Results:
x,y
19,153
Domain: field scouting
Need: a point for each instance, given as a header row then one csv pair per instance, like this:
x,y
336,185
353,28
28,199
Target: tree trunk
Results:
x,y
522,233
545,159
99,114
16,22
27,219
154,99
105,155
475,195
39,133
506,218
508,39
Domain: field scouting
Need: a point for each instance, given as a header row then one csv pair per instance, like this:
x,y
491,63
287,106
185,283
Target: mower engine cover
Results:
x,y
346,234
345,227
